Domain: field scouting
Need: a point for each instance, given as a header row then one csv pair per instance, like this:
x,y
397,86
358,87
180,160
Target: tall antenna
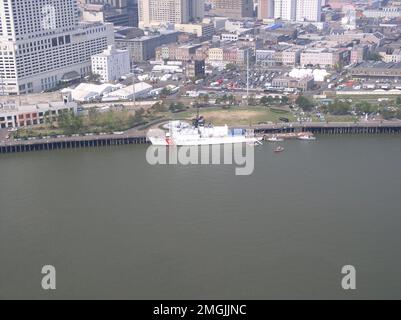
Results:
x,y
133,88
247,76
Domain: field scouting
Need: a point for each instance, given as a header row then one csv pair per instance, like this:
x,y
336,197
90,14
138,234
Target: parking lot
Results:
x,y
237,78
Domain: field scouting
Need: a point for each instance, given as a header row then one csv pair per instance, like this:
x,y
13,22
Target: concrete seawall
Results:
x,y
70,143
140,138
377,127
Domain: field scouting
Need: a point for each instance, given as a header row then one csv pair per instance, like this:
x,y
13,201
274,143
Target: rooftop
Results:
x,y
111,50
379,65
151,36
37,107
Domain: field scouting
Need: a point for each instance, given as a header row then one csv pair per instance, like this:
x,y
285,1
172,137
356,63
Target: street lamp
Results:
x,y
2,83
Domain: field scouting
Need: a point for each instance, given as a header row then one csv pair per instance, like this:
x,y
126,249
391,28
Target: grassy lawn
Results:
x,y
121,121
345,118
236,115
95,123
369,98
39,131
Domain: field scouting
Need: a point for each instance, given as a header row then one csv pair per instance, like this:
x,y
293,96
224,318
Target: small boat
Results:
x,y
307,138
278,149
256,143
275,138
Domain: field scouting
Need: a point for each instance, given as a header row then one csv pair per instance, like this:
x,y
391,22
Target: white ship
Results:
x,y
275,138
183,134
307,137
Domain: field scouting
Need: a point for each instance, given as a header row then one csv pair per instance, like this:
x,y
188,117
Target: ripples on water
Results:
x,y
115,227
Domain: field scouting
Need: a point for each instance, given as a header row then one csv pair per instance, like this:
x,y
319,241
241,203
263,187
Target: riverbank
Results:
x,y
139,137
90,141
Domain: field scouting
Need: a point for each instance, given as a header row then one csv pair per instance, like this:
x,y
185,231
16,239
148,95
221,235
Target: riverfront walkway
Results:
x,y
139,137
76,142
368,127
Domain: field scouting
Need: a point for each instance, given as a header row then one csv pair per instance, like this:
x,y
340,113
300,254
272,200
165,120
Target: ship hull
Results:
x,y
202,141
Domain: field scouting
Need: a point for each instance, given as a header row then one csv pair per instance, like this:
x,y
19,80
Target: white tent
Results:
x,y
319,75
142,90
86,92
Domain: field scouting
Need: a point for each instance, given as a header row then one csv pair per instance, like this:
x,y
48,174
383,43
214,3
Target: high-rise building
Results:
x,y
195,69
265,9
132,8
124,10
42,44
118,12
309,10
233,8
144,48
118,4
111,64
196,9
285,9
155,12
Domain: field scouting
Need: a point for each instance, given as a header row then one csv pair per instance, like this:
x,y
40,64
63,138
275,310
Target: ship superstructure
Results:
x,y
183,134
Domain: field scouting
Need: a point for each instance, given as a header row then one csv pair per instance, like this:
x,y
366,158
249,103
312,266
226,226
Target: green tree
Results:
x,y
165,92
159,107
231,99
177,106
139,114
49,119
374,56
339,108
70,123
285,100
224,98
252,100
264,101
93,77
365,107
270,100
304,103
388,114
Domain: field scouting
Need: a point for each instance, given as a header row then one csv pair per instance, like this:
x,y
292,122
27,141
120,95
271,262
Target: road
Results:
x,y
363,124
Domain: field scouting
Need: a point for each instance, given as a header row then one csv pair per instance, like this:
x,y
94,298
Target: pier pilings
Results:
x,y
49,145
326,129
386,128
